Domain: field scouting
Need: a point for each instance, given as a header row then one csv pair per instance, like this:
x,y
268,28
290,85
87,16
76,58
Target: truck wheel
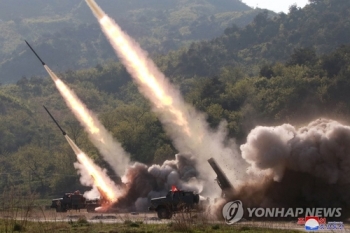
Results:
x,y
196,199
164,213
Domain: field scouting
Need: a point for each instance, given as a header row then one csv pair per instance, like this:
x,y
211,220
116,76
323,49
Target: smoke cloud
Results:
x,y
92,175
144,183
187,127
320,149
305,167
110,149
278,166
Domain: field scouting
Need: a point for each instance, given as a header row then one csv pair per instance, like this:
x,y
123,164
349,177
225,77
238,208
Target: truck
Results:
x,y
75,201
175,201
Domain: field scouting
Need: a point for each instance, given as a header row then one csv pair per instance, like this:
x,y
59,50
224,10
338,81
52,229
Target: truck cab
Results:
x,y
173,202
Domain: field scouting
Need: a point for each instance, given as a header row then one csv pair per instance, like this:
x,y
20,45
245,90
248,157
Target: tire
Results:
x,y
58,207
170,214
164,213
196,199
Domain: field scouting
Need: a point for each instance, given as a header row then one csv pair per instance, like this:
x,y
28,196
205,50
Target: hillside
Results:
x,y
67,36
323,25
295,92
302,74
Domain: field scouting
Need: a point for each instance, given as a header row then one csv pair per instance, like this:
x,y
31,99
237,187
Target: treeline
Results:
x,y
323,25
67,35
293,82
36,157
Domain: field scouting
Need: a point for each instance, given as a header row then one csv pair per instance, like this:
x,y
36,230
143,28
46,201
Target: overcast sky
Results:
x,y
275,5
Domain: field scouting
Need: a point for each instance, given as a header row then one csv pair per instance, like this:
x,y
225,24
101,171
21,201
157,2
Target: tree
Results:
x,y
36,167
303,56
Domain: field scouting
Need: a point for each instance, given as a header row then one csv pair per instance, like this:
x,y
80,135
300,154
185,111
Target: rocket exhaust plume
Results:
x,y
110,149
187,127
91,174
280,166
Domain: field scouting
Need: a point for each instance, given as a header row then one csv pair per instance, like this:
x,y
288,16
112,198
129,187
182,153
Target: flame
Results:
x,y
78,107
111,150
140,68
100,137
100,180
187,127
74,103
142,72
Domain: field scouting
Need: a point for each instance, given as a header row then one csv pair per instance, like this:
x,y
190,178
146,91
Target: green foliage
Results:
x,y
281,93
134,224
127,222
303,56
66,34
33,162
82,221
18,227
59,226
318,28
36,158
219,78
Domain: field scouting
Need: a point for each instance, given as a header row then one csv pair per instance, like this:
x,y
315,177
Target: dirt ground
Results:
x,y
50,215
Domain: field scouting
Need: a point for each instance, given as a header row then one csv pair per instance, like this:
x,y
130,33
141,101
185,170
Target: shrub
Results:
x,y
134,224
82,220
17,227
245,228
127,222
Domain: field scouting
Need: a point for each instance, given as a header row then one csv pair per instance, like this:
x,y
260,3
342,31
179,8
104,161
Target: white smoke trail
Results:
x,y
110,149
93,175
187,127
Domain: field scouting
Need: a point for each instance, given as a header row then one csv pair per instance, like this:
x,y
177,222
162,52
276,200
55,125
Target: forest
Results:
x,y
68,37
290,68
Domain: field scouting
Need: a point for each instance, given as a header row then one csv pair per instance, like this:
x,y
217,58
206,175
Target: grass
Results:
x,y
25,214
130,227
15,220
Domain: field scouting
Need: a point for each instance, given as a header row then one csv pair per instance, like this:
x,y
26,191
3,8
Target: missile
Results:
x,y
64,133
43,63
